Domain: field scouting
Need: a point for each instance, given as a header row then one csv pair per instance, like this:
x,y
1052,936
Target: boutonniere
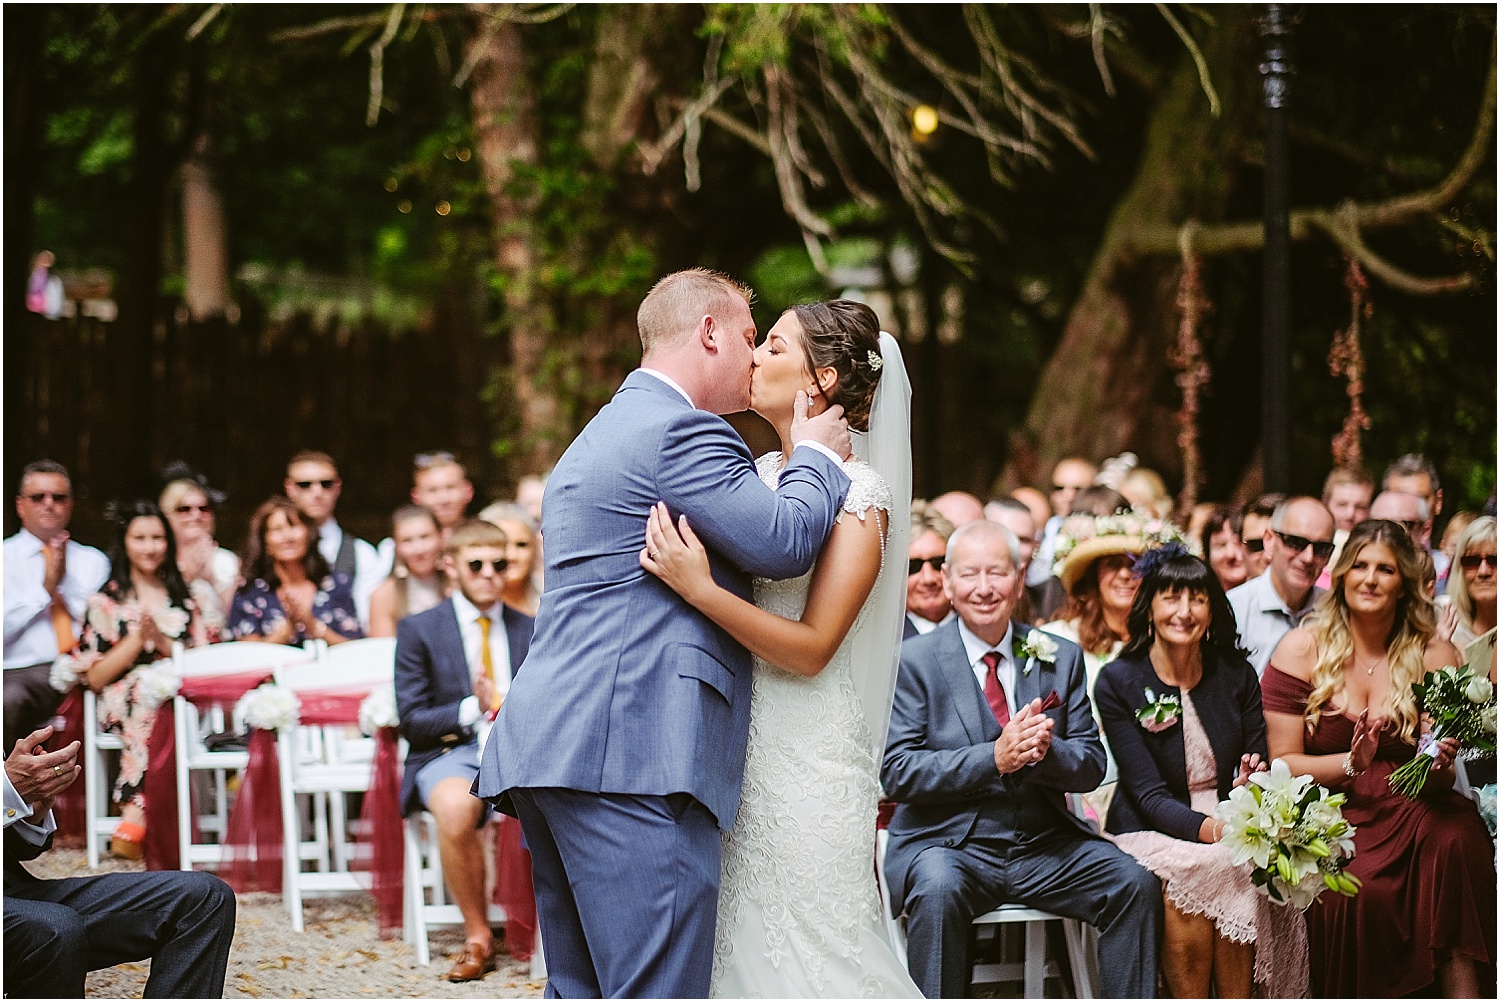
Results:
x,y
1160,712
1037,647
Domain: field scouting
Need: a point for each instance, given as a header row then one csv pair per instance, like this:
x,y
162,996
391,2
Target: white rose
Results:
x,y
1479,689
171,621
1487,719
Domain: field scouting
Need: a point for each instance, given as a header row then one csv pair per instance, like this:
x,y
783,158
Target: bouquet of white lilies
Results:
x,y
1293,832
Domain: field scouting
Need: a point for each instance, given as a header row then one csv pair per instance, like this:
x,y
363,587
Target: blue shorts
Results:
x,y
459,763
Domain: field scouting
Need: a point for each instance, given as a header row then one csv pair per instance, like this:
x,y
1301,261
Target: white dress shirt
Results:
x,y
469,711
976,649
369,567
29,637
1263,618
923,625
18,814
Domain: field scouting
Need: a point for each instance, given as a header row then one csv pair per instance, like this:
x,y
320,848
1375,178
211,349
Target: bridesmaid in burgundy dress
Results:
x,y
1339,706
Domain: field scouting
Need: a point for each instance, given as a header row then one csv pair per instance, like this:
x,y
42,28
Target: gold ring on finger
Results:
x,y
57,770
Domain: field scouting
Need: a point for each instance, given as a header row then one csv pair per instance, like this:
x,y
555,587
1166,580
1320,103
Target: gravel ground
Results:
x,y
338,955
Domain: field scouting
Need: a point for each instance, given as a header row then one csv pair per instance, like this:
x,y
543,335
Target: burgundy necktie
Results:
x,y
993,690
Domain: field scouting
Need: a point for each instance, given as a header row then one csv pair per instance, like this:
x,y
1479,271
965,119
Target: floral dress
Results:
x,y
256,610
123,709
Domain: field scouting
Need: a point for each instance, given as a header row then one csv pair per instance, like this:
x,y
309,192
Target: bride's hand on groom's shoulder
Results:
x,y
674,554
828,428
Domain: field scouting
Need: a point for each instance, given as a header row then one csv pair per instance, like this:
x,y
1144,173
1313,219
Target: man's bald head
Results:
x,y
959,507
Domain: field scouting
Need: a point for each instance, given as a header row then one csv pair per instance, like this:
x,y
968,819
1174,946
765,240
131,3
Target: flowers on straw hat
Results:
x,y
1084,539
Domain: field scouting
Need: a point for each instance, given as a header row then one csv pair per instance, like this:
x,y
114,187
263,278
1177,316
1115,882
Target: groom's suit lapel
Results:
x,y
953,663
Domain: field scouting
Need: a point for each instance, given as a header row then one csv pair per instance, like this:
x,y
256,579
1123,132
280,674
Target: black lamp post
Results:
x,y
1276,355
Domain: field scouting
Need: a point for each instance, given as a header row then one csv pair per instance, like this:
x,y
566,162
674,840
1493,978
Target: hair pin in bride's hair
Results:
x,y
875,361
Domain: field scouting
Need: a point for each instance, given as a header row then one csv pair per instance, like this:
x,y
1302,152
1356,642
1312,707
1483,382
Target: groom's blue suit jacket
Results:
x,y
627,688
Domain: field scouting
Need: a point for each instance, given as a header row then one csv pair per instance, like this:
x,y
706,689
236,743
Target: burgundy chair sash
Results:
x,y
68,806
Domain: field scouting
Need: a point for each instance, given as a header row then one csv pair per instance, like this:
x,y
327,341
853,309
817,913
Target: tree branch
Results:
x,y
1344,231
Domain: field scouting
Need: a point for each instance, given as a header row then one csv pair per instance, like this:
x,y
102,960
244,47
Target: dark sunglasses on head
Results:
x,y
914,565
1321,550
1254,545
186,509
307,485
477,566
43,496
1471,561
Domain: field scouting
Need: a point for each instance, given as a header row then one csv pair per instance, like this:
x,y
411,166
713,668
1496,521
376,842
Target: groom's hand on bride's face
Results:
x,y
827,429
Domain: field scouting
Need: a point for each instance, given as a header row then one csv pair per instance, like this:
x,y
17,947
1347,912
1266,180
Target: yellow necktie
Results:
x,y
488,661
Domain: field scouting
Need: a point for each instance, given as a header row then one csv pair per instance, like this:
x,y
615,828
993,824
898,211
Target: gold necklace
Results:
x,y
1370,671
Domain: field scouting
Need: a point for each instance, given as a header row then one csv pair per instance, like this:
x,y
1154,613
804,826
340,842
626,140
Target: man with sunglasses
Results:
x,y
454,665
313,484
927,604
1297,544
48,580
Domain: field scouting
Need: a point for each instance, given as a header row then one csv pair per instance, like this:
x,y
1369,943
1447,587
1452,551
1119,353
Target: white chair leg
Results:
x,y
1036,960
538,959
1078,959
93,781
415,922
184,791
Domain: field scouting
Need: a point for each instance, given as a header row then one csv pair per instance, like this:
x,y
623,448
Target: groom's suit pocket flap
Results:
x,y
695,662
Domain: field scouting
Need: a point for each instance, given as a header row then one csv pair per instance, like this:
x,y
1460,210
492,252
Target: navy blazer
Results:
x,y
940,756
1153,791
432,678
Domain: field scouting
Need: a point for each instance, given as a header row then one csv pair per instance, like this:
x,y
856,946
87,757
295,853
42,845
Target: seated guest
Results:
x,y
1101,585
454,665
1346,494
1223,548
290,595
1297,543
927,605
416,582
144,608
1146,492
1036,503
1099,501
530,490
958,507
1455,528
1469,612
212,573
313,483
979,770
48,581
1219,929
1254,521
1039,603
521,588
1339,707
1413,473
1071,475
441,485
56,931
1408,509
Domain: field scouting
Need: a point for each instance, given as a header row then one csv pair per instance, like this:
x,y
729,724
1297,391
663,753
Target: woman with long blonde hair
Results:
x,y
1339,707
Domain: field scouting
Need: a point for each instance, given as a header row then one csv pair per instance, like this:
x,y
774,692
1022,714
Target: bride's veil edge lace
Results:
x,y
876,648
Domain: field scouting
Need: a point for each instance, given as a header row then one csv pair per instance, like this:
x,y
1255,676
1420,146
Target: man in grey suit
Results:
x,y
979,757
621,745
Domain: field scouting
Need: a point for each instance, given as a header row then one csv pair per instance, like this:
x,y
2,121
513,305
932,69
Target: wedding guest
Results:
x,y
56,931
1101,585
1221,935
454,665
416,582
1145,490
1414,474
1297,543
979,769
1339,707
958,507
1197,519
441,485
1099,501
48,580
313,483
1469,612
530,490
1035,605
1347,493
521,588
290,594
927,605
1254,521
1071,475
212,572
1035,502
1223,548
1455,528
132,622
1410,511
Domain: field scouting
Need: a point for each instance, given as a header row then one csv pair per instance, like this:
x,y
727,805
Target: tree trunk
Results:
x,y
205,249
23,91
1107,387
505,133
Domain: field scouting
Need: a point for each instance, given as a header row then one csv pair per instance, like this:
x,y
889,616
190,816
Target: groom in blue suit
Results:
x,y
621,746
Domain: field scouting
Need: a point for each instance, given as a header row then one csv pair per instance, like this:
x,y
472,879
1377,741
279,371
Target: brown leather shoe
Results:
x,y
473,963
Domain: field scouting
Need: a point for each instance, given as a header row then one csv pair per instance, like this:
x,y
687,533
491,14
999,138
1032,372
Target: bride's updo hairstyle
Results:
x,y
845,336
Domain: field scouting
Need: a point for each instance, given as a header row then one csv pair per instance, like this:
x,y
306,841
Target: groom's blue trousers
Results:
x,y
627,891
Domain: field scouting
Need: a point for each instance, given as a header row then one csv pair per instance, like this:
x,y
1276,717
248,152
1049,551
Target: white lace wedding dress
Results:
x,y
799,912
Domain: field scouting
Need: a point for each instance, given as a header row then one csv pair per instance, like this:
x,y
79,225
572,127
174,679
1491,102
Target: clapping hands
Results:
x,y
1025,740
1249,765
40,775
1366,741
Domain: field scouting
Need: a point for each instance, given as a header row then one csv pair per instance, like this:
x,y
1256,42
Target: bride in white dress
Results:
x,y
799,912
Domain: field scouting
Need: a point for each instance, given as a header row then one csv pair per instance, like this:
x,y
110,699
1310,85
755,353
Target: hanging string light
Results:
x,y
1186,358
1346,358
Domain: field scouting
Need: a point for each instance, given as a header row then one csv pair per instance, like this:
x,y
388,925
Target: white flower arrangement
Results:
x,y
171,621
1294,835
378,711
269,707
158,685
1151,531
64,673
1037,646
1487,806
874,360
1460,702
1160,712
102,618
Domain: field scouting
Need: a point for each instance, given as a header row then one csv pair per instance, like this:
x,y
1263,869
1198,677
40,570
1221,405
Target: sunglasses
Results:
x,y
188,509
427,460
499,564
1321,551
914,565
307,485
1471,561
41,497
1254,545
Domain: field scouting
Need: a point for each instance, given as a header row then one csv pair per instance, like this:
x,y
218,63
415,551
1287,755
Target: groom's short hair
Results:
x,y
676,302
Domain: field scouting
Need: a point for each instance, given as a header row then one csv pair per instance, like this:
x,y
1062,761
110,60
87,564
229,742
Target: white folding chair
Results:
x,y
323,765
1034,970
193,755
99,824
